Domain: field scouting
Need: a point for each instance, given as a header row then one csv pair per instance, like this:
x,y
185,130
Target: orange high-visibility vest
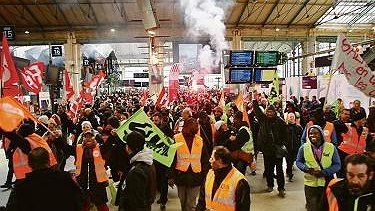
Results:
x,y
101,174
352,142
20,160
327,130
332,201
225,196
185,158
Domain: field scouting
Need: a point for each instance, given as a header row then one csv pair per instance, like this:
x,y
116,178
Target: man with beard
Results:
x,y
356,191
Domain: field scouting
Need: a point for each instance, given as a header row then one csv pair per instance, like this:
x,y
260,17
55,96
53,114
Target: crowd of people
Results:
x,y
333,145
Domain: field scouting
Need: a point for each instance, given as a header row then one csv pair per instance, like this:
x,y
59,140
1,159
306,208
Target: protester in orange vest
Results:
x,y
354,141
23,141
91,173
190,164
225,188
357,191
328,127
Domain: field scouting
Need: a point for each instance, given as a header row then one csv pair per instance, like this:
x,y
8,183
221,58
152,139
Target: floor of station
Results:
x,y
260,200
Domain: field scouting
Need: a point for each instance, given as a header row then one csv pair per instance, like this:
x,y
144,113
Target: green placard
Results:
x,y
163,147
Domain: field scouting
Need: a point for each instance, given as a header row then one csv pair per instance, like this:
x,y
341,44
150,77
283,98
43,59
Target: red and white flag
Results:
x,y
173,81
144,98
68,85
32,77
93,85
162,99
78,103
8,73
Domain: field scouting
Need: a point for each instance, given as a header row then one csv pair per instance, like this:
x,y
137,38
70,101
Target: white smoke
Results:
x,y
206,17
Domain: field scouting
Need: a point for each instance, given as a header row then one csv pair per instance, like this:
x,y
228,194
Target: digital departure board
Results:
x,y
241,58
267,58
240,75
263,74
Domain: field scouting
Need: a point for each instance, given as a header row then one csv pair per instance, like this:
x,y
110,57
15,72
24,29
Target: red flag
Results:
x,y
32,76
162,98
68,86
144,98
78,103
8,73
173,81
93,85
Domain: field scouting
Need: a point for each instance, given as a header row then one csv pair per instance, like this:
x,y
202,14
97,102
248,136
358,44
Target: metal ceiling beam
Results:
x,y
362,13
121,11
3,17
93,12
31,14
62,13
242,11
298,12
269,14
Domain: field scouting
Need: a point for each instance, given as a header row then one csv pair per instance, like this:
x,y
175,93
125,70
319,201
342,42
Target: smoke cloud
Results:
x,y
206,17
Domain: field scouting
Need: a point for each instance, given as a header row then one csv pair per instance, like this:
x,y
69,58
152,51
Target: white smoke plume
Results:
x,y
206,17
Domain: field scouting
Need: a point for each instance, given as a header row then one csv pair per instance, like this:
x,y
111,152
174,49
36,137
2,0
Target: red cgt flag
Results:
x,y
162,99
8,73
32,76
68,85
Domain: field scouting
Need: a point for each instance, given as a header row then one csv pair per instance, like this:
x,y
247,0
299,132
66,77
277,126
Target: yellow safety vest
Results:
x,y
225,197
185,158
101,175
326,161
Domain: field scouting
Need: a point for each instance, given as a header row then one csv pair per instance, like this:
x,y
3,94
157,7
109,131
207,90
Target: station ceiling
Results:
x,y
93,21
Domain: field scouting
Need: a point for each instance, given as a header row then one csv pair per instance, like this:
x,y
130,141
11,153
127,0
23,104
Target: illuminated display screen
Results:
x,y
266,58
240,75
241,58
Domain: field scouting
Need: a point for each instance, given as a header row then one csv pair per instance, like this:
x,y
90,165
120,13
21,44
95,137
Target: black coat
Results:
x,y
271,131
47,190
140,190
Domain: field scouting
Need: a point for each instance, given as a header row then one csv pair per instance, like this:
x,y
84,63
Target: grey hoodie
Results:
x,y
144,155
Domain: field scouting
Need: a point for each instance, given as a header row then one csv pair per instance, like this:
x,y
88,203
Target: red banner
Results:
x,y
32,76
173,82
8,73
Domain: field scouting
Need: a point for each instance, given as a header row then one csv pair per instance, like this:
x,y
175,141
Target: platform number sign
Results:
x,y
9,32
86,62
56,51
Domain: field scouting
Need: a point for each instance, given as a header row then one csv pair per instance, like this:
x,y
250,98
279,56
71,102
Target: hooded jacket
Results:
x,y
328,172
139,189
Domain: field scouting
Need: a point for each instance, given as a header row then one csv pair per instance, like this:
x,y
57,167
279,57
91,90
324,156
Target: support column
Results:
x,y
155,66
308,63
73,60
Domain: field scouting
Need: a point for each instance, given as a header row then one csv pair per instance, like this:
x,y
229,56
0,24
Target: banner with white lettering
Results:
x,y
32,77
348,61
162,146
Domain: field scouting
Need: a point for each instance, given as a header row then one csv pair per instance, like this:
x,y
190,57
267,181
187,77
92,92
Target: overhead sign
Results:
x,y
86,62
56,51
9,32
309,82
348,61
